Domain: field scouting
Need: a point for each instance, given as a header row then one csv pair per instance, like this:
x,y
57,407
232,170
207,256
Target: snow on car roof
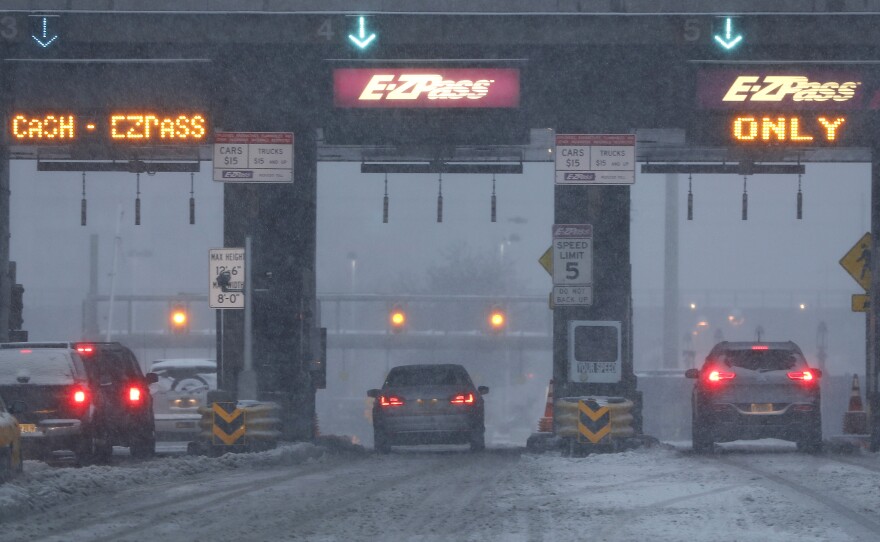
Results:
x,y
183,363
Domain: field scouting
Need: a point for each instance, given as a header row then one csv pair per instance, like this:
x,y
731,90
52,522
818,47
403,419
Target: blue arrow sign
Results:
x,y
362,40
44,40
728,41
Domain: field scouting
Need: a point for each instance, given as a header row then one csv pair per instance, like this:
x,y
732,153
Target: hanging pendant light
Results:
x,y
800,200
385,202
440,198
745,213
82,206
137,201
192,199
690,199
493,198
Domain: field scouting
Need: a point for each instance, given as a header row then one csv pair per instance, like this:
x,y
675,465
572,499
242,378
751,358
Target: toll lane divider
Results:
x,y
597,421
237,426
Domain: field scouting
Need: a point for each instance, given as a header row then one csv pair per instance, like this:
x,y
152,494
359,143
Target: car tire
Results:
x,y
6,468
811,443
143,447
93,451
478,440
380,442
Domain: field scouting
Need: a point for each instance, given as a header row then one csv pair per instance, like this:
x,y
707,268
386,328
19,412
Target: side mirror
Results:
x,y
373,393
17,407
692,373
152,378
483,390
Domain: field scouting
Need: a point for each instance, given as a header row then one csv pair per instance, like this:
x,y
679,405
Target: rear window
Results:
x,y
428,375
110,365
761,360
38,366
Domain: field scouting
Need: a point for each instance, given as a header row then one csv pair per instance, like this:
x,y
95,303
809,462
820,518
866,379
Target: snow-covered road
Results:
x,y
304,492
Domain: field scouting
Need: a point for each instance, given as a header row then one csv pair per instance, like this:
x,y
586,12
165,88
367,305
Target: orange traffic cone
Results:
x,y
855,398
855,421
545,424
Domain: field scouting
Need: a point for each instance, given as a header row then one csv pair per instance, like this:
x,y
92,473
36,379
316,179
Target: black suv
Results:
x,y
82,397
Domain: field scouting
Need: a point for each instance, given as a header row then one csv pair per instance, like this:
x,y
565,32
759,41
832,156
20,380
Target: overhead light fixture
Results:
x,y
385,202
493,198
137,201
82,207
192,199
800,200
690,199
440,198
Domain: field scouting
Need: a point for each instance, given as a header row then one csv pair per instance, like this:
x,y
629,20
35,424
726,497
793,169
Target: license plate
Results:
x,y
28,427
185,425
762,407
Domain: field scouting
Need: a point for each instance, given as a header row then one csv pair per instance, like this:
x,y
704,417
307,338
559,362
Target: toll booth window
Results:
x,y
595,343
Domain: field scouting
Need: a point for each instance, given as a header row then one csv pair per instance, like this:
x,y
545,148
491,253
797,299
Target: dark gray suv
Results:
x,y
83,398
753,390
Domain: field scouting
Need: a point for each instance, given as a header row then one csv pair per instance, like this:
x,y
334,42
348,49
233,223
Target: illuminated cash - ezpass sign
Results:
x,y
131,127
425,88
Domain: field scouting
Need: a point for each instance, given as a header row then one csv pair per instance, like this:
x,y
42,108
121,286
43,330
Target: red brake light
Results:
x,y
760,347
25,351
806,376
85,348
462,399
134,394
391,400
717,376
79,397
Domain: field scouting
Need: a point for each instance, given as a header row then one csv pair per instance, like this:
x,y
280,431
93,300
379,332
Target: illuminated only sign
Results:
x,y
422,88
802,107
124,127
787,128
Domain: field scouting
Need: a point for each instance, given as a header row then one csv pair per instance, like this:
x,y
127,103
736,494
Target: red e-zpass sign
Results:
x,y
424,88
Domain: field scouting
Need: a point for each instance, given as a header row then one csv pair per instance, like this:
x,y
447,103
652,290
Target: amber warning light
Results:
x,y
123,127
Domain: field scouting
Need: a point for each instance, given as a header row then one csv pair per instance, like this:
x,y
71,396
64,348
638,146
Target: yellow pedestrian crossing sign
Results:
x,y
857,262
861,302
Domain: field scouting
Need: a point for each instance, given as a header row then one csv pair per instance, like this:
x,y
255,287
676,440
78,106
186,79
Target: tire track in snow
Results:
x,y
870,524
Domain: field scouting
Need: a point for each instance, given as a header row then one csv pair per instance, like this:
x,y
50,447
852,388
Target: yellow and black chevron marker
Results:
x,y
594,422
229,424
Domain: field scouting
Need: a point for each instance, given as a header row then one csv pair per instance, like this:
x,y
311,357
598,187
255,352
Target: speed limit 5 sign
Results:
x,y
572,264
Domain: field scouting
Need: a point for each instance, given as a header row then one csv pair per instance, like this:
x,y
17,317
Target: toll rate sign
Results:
x,y
253,157
572,264
587,159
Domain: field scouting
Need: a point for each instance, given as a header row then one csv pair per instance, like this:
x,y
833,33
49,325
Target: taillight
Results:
x,y
79,397
85,348
760,347
462,399
805,376
717,376
134,394
391,400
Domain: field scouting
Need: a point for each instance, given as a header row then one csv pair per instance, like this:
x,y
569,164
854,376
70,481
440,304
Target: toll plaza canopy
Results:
x,y
95,83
